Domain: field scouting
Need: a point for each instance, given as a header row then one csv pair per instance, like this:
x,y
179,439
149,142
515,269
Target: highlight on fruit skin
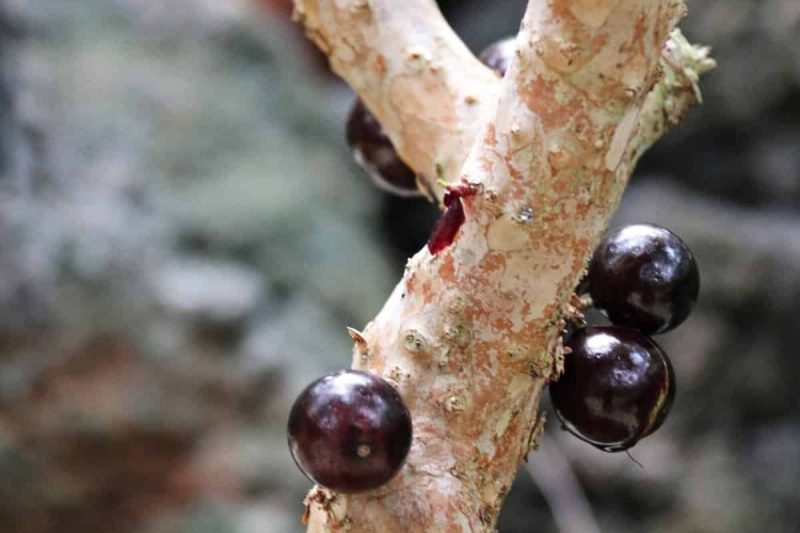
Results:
x,y
374,152
498,55
349,431
644,276
617,387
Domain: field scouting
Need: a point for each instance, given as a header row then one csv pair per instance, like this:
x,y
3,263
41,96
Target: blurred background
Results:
x,y
184,238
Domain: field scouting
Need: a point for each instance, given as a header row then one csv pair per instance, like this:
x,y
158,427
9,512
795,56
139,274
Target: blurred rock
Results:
x,y
213,291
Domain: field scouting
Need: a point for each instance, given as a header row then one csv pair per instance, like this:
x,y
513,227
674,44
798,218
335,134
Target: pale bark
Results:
x,y
426,88
432,95
470,335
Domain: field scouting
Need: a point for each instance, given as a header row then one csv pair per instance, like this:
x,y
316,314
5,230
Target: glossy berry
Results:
x,y
644,276
349,431
497,56
617,387
374,152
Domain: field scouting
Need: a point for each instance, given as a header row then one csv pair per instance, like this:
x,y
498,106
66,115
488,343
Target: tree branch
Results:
x,y
470,335
413,72
553,475
431,94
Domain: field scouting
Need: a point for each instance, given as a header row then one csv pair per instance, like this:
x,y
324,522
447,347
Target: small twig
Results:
x,y
551,472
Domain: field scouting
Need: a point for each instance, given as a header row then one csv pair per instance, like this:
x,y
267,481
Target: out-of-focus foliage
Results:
x,y
184,242
184,239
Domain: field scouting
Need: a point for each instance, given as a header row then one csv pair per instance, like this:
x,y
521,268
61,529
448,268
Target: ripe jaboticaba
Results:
x,y
644,276
349,431
374,152
617,387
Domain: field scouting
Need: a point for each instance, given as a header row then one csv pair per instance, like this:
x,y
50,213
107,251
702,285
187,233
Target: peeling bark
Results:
x,y
470,335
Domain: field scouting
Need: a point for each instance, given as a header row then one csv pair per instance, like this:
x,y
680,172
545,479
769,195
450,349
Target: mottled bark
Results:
x,y
470,335
432,95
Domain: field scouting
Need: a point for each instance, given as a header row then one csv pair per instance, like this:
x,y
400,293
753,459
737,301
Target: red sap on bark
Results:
x,y
446,229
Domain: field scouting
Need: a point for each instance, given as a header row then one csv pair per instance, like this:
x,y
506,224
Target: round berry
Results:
x,y
644,276
373,151
617,387
349,431
497,56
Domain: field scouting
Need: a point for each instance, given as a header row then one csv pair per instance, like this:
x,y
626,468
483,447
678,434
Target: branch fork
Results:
x,y
470,336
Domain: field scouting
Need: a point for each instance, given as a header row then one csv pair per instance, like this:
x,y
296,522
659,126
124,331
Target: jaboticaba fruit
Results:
x,y
373,151
617,387
644,276
349,431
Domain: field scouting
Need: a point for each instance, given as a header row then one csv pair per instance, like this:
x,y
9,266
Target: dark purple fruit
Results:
x,y
374,152
349,431
617,387
497,56
644,276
